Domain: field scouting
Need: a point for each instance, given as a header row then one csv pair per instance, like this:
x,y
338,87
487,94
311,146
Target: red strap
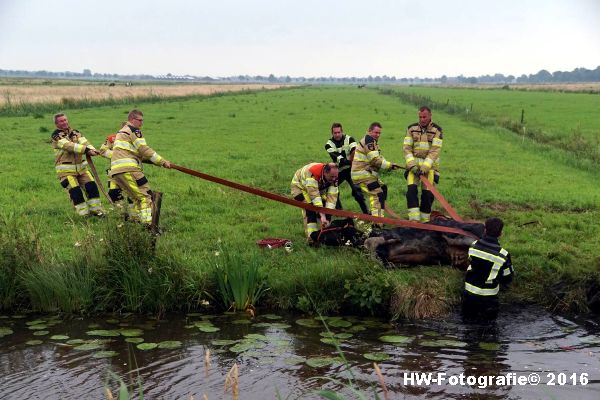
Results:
x,y
431,187
308,206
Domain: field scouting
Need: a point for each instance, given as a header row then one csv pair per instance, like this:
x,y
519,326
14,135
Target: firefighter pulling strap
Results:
x,y
307,206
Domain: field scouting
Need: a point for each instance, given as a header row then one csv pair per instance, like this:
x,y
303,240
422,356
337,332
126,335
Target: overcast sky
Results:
x,y
400,38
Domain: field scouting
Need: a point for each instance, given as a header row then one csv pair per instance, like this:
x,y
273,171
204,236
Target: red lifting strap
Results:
x,y
431,187
307,206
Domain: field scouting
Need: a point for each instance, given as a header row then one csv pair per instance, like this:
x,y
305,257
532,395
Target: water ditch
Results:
x,y
50,357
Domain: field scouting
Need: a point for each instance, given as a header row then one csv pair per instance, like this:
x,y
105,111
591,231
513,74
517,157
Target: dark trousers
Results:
x,y
479,308
356,192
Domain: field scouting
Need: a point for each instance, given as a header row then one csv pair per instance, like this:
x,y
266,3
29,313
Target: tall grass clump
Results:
x,y
137,277
65,288
240,283
20,251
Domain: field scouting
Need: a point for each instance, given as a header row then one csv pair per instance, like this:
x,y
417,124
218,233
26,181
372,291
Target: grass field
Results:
x,y
549,202
565,120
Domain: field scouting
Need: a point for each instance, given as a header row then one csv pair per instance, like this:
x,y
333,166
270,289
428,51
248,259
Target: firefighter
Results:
x,y
315,183
489,267
70,148
366,164
422,146
128,153
114,191
341,150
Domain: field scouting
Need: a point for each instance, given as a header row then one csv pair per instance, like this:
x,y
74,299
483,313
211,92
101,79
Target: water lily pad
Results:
x,y
357,328
134,340
223,342
331,341
40,333
241,322
319,362
309,323
431,333
377,356
34,342
271,316
38,327
241,347
35,322
343,335
246,345
169,344
103,332
147,346
489,346
208,329
327,334
131,332
256,336
59,337
74,342
373,323
5,331
94,325
273,325
88,346
340,323
442,343
396,339
112,321
105,354
294,360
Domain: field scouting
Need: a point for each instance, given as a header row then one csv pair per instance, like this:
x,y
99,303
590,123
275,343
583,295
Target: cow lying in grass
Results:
x,y
409,246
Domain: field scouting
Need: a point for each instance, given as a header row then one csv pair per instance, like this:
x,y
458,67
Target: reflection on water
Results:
x,y
50,358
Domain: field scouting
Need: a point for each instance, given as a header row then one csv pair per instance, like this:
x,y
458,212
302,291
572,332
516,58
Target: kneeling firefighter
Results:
x,y
315,183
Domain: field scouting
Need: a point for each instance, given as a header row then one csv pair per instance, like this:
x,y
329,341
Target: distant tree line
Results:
x,y
543,76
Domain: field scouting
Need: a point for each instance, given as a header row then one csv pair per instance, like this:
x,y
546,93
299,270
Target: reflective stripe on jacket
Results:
x,y
309,181
423,146
129,150
340,151
368,160
69,152
489,265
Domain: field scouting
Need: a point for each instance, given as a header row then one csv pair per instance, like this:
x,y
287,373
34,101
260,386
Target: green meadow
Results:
x,y
548,196
568,120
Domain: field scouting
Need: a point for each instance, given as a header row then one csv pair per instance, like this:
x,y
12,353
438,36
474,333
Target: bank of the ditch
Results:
x,y
116,269
54,261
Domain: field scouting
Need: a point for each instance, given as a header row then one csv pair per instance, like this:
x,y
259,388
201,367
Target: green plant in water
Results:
x,y
240,283
369,291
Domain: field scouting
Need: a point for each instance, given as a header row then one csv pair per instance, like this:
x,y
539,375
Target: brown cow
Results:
x,y
409,246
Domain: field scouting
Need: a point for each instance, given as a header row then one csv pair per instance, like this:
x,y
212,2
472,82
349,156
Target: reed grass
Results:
x,y
240,283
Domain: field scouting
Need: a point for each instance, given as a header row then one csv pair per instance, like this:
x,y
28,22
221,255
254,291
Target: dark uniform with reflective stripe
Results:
x,y
340,152
490,265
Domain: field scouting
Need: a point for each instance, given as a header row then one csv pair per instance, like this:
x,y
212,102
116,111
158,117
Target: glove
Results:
x,y
415,170
424,169
395,167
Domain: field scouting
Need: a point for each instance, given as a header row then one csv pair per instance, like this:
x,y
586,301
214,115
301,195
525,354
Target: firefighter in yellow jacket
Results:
x,y
315,183
366,165
422,147
114,191
70,148
129,150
